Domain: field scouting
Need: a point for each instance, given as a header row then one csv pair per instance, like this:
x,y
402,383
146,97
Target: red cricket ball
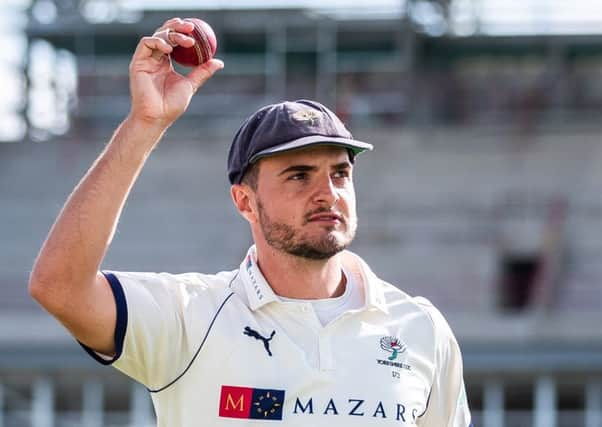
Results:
x,y
202,51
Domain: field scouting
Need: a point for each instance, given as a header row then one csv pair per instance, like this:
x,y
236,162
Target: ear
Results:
x,y
244,200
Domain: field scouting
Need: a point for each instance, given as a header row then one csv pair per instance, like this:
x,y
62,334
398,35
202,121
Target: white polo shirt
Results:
x,y
224,350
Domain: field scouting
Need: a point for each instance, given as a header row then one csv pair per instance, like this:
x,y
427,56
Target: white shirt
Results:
x,y
224,350
328,309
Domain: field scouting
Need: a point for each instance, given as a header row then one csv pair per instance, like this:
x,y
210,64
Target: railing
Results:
x,y
38,404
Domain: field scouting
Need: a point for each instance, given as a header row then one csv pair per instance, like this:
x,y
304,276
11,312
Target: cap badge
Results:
x,y
306,116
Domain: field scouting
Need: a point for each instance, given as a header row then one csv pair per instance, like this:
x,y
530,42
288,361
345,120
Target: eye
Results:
x,y
341,173
299,176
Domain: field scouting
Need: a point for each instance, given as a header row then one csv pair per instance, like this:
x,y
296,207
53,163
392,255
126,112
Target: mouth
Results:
x,y
326,218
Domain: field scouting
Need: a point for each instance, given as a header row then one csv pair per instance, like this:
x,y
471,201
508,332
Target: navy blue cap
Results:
x,y
287,126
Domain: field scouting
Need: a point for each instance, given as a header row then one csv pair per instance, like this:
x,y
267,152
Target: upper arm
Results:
x,y
139,319
447,404
91,316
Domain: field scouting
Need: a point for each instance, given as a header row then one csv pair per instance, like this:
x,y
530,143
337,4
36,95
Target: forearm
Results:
x,y
82,233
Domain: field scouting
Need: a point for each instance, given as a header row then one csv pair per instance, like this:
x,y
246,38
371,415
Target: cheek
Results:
x,y
279,208
284,199
348,198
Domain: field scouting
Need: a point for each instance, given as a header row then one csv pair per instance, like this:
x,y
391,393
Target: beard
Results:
x,y
284,237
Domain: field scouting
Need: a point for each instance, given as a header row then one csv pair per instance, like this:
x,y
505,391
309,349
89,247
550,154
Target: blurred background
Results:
x,y
483,192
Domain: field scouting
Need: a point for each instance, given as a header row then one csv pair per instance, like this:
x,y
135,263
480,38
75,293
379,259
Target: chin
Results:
x,y
318,249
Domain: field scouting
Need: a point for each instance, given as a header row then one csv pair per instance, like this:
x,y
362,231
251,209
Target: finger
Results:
x,y
174,38
178,25
179,39
166,36
172,21
153,47
199,75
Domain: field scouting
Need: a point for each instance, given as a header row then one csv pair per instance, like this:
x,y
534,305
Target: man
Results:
x,y
303,332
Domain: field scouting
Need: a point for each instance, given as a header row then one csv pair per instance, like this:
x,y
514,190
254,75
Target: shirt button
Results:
x,y
305,308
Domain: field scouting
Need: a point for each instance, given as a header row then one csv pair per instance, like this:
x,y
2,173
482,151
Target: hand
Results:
x,y
160,94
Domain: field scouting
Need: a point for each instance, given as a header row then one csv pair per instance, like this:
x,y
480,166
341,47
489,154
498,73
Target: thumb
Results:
x,y
200,74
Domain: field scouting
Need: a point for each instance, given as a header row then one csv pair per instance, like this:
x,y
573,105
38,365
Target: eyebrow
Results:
x,y
342,165
298,168
308,168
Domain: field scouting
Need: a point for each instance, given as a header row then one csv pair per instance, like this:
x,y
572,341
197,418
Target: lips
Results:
x,y
325,216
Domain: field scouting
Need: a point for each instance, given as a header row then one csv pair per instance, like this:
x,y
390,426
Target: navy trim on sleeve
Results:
x,y
120,325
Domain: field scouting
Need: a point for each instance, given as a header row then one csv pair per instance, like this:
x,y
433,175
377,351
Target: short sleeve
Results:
x,y
447,403
150,333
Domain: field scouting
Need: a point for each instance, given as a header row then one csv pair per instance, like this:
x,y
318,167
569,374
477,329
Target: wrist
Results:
x,y
136,138
145,126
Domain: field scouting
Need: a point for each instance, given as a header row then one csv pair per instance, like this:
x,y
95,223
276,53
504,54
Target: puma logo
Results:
x,y
266,341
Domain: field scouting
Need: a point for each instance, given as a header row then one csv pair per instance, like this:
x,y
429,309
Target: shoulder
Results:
x,y
174,280
173,287
196,281
417,314
434,314
425,316
446,344
397,303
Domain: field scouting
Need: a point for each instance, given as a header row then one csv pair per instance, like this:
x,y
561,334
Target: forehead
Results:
x,y
329,154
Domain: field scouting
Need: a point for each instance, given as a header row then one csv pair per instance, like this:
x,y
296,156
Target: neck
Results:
x,y
295,277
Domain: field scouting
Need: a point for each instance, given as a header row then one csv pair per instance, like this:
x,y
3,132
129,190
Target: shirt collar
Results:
x,y
373,286
260,293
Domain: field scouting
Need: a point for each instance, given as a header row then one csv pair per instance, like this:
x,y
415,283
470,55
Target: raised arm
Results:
x,y
65,278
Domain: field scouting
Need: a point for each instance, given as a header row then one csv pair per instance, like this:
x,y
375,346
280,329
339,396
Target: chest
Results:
x,y
282,364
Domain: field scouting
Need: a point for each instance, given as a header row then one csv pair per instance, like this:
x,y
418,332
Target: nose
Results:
x,y
326,192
